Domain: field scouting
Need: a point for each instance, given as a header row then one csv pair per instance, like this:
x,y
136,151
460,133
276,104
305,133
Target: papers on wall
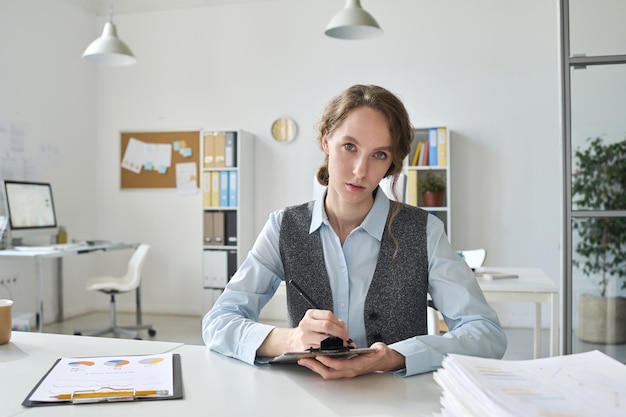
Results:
x,y
149,156
586,384
186,178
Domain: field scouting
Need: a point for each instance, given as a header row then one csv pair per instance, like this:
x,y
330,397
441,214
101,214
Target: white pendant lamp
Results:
x,y
353,23
108,49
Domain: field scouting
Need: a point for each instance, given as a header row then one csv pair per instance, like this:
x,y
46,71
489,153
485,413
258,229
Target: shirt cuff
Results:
x,y
254,339
419,358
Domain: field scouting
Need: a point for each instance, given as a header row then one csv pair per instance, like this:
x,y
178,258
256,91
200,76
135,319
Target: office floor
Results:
x,y
187,329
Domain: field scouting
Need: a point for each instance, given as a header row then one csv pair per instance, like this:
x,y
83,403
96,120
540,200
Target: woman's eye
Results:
x,y
349,147
380,155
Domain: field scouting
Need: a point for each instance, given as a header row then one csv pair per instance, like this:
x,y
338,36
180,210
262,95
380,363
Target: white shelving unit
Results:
x,y
226,245
443,212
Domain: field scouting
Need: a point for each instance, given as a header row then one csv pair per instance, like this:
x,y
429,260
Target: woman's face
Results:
x,y
359,154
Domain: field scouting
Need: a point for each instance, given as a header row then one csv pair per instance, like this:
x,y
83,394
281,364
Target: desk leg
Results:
x,y
537,330
554,326
40,293
138,305
59,289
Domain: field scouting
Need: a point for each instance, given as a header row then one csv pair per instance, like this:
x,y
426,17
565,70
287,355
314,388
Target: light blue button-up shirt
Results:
x,y
231,326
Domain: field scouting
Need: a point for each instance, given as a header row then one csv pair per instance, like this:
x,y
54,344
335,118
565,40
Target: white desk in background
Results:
x,y
58,252
212,384
533,286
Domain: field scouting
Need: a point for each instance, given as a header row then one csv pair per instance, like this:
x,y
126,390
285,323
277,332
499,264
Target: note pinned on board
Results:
x,y
134,157
186,178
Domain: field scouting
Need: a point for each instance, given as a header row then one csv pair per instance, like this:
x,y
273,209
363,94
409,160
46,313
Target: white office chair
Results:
x,y
117,285
475,258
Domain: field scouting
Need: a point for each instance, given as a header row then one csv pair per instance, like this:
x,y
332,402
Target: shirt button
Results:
x,y
343,269
343,305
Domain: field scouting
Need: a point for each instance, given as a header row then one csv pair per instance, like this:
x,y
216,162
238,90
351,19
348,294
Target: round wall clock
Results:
x,y
284,130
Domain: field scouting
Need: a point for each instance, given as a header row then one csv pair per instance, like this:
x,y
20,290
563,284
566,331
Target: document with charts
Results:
x,y
96,377
586,384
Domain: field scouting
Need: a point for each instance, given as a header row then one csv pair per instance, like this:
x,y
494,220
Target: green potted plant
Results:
x,y
599,183
433,188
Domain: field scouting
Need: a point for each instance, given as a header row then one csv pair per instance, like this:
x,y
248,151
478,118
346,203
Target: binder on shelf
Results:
x,y
215,269
206,189
207,226
224,189
232,263
215,189
432,145
209,150
442,146
423,159
231,150
411,188
418,150
218,228
232,189
231,228
220,150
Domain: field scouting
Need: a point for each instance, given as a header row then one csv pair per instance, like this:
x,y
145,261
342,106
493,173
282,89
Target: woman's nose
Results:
x,y
360,167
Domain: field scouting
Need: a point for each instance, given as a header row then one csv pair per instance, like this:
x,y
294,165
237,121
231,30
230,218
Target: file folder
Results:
x,y
206,189
231,228
215,189
207,238
233,189
220,150
433,155
231,150
209,150
232,264
215,269
218,227
224,188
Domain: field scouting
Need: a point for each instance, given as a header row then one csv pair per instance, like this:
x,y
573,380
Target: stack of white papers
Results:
x,y
586,384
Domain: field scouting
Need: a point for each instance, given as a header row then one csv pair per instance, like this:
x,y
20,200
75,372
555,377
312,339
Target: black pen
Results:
x,y
308,300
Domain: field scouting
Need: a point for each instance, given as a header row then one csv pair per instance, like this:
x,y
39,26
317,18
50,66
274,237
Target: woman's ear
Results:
x,y
325,143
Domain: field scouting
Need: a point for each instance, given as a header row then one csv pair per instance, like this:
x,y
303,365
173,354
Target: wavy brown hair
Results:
x,y
400,129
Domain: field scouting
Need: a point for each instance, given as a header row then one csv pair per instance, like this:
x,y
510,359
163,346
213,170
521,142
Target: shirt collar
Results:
x,y
374,222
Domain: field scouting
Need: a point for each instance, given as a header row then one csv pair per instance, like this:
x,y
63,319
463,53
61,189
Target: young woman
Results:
x,y
366,262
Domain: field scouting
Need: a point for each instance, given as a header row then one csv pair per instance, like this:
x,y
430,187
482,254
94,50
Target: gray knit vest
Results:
x,y
395,306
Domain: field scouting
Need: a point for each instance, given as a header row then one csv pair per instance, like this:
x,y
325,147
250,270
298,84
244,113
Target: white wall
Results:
x,y
488,70
46,91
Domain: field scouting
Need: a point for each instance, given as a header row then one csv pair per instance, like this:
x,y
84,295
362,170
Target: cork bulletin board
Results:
x,y
152,157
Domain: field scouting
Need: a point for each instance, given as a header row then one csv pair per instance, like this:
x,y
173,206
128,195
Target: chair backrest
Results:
x,y
475,258
135,265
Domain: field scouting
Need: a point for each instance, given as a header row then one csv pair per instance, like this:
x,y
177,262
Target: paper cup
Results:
x,y
5,321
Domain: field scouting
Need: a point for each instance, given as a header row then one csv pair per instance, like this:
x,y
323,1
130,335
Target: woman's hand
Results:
x,y
315,326
386,359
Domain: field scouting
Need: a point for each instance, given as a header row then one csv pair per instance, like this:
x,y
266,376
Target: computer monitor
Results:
x,y
31,211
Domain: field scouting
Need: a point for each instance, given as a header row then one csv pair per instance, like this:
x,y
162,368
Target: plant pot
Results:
x,y
432,199
601,319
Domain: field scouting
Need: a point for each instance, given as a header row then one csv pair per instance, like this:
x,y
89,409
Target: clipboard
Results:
x,y
292,357
177,392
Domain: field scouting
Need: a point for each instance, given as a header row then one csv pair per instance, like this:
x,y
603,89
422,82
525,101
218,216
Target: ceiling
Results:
x,y
101,7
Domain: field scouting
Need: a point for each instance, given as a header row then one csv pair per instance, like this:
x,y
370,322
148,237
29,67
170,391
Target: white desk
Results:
x,y
212,384
41,254
532,286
